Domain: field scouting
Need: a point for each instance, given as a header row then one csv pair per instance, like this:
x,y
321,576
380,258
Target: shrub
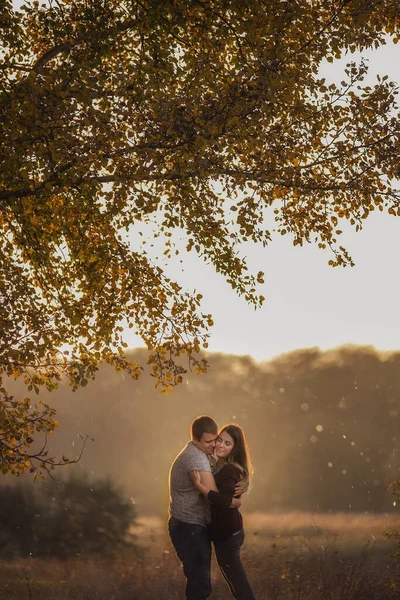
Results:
x,y
62,519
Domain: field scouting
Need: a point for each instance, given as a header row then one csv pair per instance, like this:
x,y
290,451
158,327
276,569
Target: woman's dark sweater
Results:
x,y
225,521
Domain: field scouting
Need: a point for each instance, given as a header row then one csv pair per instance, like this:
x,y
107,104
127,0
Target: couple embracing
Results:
x,y
206,481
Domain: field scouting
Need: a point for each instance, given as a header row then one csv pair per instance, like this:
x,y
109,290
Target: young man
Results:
x,y
189,512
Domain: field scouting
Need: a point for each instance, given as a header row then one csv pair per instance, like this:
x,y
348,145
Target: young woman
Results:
x,y
226,527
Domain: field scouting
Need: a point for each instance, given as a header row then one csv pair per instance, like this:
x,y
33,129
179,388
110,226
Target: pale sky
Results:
x,y
308,303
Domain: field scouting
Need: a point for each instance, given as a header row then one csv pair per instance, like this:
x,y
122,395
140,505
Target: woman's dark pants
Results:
x,y
228,557
193,546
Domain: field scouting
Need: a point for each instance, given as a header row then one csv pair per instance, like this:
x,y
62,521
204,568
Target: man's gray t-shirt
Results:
x,y
186,503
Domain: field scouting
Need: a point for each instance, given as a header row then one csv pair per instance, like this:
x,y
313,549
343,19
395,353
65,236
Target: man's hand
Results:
x,y
241,488
236,503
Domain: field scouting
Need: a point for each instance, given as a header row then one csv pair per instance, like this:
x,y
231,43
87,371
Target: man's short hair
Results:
x,y
202,424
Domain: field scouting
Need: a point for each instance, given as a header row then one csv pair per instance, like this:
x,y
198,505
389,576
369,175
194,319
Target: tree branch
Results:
x,y
50,54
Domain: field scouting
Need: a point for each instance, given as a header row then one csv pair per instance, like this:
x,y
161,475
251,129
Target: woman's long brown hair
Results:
x,y
240,454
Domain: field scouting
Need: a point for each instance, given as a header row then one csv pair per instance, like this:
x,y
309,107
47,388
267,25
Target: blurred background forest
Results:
x,y
323,428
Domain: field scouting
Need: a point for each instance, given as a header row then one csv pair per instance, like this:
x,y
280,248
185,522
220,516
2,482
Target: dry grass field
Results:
x,y
288,557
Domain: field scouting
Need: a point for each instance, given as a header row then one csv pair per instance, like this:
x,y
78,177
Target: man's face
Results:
x,y
207,443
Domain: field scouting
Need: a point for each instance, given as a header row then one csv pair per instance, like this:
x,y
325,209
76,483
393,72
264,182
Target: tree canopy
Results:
x,y
190,116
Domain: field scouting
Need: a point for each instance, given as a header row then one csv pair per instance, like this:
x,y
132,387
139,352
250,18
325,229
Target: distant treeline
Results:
x,y
75,517
323,427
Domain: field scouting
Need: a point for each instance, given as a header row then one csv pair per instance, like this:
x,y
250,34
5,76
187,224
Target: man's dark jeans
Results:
x,y
193,546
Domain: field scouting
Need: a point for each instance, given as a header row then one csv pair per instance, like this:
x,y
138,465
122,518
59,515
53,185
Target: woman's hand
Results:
x,y
196,478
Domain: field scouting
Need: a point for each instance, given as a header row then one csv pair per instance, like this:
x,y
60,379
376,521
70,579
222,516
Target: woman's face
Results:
x,y
224,445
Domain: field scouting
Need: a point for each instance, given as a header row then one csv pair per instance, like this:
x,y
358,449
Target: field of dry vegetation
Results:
x,y
288,557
